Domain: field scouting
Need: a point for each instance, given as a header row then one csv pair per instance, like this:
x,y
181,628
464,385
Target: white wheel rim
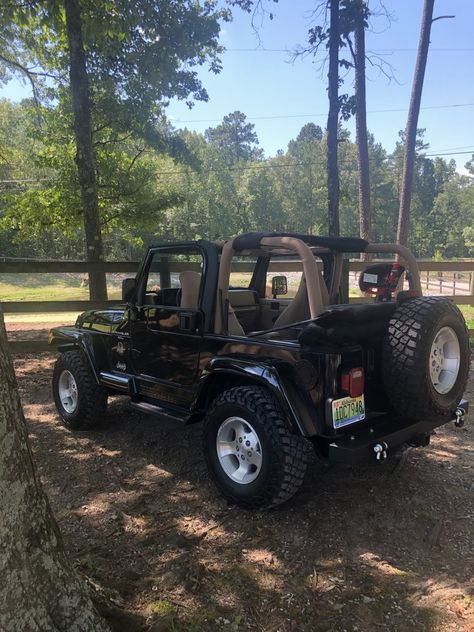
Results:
x,y
239,450
67,390
445,360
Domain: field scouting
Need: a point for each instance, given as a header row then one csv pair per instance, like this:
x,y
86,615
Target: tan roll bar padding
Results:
x,y
310,269
223,285
406,255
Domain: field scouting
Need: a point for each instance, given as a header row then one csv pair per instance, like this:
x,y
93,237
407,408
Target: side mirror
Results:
x,y
128,288
279,286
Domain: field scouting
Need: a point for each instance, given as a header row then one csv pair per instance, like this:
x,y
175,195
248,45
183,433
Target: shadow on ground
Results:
x,y
369,548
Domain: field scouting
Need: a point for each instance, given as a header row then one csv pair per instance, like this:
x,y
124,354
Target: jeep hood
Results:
x,y
106,320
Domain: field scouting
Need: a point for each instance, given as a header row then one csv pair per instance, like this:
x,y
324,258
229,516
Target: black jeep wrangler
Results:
x,y
207,333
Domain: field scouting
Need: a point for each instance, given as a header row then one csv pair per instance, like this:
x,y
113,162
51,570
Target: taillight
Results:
x,y
352,381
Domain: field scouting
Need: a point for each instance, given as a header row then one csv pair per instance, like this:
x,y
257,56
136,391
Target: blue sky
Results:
x,y
266,84
275,93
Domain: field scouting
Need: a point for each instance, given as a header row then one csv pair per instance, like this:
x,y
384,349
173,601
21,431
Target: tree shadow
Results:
x,y
362,548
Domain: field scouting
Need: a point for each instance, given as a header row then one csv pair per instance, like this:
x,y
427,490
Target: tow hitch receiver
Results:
x,y
461,411
380,451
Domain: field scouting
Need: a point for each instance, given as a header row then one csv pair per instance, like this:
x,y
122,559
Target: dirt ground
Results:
x,y
378,547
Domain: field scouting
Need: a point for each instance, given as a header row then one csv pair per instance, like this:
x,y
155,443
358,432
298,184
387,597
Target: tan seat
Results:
x,y
233,325
298,309
190,282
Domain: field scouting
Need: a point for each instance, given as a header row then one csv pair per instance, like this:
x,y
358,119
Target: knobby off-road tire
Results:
x,y
422,334
80,401
251,414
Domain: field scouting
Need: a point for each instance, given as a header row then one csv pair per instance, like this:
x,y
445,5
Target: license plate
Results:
x,y
347,411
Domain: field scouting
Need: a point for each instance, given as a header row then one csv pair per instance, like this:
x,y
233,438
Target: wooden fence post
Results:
x,y
344,298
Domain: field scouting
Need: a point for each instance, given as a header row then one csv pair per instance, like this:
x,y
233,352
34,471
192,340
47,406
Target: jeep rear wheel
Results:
x,y
80,401
426,358
252,457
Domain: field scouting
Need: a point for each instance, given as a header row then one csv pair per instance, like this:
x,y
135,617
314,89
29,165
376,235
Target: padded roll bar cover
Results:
x,y
223,285
310,268
252,241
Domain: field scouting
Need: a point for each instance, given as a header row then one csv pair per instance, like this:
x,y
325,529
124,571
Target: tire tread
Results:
x,y
404,353
92,402
289,452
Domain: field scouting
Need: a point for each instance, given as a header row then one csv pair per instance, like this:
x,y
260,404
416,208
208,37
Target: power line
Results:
x,y
471,146
25,180
451,153
265,165
290,116
377,50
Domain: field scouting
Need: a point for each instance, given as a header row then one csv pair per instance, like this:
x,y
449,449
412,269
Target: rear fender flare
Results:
x,y
222,374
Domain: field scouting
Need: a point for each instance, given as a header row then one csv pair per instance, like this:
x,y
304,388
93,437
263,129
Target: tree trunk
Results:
x,y
333,120
365,218
412,123
39,591
85,158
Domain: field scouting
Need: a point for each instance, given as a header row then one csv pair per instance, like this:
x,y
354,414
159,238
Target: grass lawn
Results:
x,y
468,313
49,287
66,318
10,292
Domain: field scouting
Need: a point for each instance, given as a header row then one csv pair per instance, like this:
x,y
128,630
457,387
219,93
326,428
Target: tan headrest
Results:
x,y
190,284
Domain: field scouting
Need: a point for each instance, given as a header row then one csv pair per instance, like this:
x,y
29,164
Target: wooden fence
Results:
x,y
453,279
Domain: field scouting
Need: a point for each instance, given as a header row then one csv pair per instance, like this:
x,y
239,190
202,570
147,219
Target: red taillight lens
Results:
x,y
352,381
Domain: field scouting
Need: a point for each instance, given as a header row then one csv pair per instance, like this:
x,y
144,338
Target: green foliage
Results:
x,y
139,55
157,183
264,199
310,131
146,196
161,607
234,139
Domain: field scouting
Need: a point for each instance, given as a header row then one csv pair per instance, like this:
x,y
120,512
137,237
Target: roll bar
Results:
x,y
310,270
406,256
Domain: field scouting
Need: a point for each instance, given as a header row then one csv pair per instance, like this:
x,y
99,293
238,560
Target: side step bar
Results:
x,y
118,382
126,384
159,411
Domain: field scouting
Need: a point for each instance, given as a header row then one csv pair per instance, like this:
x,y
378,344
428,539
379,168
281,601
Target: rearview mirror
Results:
x,y
279,286
128,289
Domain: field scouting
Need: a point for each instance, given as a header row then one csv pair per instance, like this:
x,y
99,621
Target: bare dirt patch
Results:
x,y
385,547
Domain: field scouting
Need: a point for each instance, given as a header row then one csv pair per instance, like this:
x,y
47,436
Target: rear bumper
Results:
x,y
389,433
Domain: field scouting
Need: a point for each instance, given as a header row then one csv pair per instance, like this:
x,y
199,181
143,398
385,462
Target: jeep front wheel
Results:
x,y
252,457
80,401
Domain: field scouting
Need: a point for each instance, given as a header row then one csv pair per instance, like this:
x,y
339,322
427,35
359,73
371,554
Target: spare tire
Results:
x,y
426,358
